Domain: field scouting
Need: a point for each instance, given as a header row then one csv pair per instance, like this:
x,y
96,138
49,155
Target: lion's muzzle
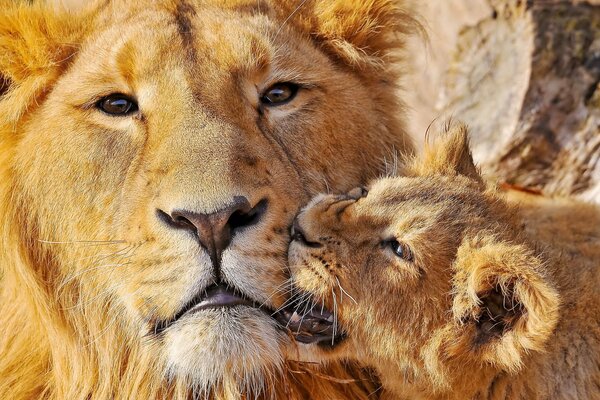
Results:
x,y
215,230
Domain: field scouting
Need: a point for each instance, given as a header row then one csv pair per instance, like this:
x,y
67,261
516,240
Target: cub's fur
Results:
x,y
453,290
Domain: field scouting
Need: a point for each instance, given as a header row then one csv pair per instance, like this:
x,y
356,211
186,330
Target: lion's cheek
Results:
x,y
240,343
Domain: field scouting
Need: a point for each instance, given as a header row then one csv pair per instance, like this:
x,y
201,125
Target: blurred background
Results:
x,y
524,75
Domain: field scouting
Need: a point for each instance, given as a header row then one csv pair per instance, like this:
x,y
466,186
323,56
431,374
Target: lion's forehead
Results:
x,y
154,41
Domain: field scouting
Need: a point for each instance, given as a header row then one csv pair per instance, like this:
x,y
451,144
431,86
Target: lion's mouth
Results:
x,y
312,325
216,296
309,325
219,296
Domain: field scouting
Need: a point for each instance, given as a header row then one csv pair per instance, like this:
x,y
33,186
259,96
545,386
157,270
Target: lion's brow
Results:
x,y
183,18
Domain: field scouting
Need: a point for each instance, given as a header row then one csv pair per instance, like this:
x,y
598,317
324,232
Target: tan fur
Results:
x,y
87,267
499,299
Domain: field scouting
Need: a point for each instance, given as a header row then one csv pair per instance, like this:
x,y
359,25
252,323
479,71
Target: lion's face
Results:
x,y
161,173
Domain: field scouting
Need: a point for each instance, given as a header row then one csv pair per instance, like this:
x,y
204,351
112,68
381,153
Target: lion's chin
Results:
x,y
218,346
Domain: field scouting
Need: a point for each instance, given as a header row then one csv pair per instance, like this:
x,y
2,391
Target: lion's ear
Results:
x,y
363,33
448,153
36,42
504,304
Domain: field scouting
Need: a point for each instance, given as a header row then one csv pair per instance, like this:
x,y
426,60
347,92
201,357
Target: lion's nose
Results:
x,y
215,230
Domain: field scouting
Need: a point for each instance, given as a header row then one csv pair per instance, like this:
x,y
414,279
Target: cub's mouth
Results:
x,y
312,324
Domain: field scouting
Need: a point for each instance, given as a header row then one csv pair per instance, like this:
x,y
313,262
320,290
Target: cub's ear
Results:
x,y
363,33
504,304
36,42
447,154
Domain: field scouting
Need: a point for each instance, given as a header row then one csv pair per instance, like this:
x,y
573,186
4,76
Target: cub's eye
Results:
x,y
401,250
279,93
117,104
358,193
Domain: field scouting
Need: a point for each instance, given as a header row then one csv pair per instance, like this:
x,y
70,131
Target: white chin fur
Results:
x,y
219,346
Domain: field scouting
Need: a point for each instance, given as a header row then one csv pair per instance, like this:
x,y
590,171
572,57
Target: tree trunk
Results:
x,y
525,77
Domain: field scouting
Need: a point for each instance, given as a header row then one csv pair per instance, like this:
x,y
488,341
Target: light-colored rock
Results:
x,y
525,77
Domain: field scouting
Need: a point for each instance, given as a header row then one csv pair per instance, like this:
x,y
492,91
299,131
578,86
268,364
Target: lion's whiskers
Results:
x,y
286,303
283,289
392,166
343,291
86,302
84,242
124,257
123,254
305,310
115,320
305,298
99,257
80,273
318,177
334,316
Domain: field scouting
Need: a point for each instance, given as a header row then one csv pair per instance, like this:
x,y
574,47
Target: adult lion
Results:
x,y
152,157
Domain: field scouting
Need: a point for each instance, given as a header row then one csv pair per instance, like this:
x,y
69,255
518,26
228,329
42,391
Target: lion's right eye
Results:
x,y
280,93
400,249
117,104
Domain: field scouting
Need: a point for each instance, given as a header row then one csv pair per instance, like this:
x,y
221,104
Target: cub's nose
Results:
x,y
358,193
215,230
298,234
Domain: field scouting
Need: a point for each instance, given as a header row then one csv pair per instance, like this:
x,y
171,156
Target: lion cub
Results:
x,y
452,290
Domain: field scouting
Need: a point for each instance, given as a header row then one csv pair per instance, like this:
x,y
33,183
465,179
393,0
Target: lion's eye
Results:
x,y
279,93
401,250
117,104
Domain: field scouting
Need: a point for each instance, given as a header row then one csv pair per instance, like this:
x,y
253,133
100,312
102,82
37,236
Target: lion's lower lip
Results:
x,y
220,296
217,296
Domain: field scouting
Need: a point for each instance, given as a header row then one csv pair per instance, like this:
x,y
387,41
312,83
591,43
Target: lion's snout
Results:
x,y
215,230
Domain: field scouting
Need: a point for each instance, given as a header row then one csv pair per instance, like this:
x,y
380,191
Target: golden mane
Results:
x,y
40,354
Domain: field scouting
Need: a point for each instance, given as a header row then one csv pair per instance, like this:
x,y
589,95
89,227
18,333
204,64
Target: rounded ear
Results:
x,y
362,33
504,304
447,154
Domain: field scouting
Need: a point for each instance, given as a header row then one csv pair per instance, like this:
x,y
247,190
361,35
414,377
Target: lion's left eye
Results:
x,y
279,93
117,104
400,249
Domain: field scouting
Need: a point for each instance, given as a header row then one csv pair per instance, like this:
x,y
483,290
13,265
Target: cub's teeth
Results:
x,y
295,318
315,325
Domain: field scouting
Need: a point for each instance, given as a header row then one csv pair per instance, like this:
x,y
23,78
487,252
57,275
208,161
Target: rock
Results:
x,y
525,77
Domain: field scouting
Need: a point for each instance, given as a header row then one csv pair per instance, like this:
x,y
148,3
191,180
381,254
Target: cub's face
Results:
x,y
381,261
156,180
423,274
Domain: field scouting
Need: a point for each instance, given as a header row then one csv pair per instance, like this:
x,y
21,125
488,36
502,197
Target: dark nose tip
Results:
x,y
299,235
358,193
215,230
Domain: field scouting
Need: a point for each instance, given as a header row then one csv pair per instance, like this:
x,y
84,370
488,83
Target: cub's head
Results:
x,y
153,155
420,271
